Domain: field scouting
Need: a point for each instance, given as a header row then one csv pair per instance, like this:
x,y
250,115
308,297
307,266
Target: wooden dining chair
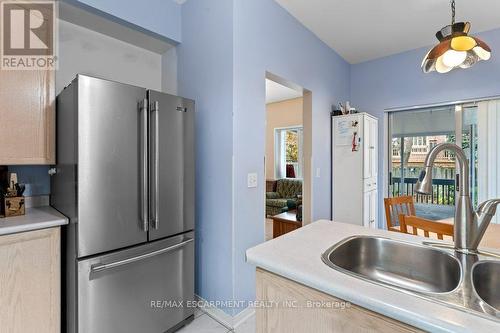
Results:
x,y
427,226
396,206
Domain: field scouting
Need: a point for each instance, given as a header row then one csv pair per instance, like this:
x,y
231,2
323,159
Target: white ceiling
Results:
x,y
361,30
276,92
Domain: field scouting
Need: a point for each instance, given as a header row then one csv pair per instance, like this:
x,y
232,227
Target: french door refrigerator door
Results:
x,y
137,289
112,152
171,129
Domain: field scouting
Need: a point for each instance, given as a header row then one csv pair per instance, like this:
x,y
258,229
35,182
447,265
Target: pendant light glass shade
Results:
x,y
456,49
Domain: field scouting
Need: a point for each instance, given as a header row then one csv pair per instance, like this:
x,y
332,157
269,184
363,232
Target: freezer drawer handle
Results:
x,y
102,267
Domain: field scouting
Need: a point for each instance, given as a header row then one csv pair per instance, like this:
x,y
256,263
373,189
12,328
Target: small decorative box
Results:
x,y
12,206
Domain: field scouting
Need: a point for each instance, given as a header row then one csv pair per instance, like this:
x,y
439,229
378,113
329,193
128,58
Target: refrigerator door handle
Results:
x,y
155,165
103,267
144,165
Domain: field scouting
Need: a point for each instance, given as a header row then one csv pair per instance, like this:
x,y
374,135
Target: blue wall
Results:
x,y
35,177
205,74
160,16
398,81
227,48
268,38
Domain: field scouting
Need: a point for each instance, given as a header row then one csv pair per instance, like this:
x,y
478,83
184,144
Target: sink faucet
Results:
x,y
469,225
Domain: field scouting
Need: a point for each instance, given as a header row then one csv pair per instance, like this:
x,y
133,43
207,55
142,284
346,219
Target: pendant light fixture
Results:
x,y
456,49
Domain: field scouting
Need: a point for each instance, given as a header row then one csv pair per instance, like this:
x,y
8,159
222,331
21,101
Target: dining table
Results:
x,y
491,238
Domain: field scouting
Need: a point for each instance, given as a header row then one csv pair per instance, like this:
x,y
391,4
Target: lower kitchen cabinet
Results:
x,y
370,211
30,280
298,308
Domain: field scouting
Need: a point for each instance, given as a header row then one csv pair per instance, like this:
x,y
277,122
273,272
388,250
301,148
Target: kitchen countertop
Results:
x,y
35,218
297,256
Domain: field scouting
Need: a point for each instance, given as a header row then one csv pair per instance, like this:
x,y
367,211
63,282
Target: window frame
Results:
x,y
278,150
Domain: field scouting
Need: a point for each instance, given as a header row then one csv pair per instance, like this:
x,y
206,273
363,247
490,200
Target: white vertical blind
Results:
x,y
489,152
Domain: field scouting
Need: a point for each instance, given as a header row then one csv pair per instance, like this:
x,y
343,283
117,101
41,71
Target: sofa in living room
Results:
x,y
285,197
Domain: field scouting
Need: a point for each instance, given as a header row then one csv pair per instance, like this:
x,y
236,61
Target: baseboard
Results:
x,y
241,317
228,321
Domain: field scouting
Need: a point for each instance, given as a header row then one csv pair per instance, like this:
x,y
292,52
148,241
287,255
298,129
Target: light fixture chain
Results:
x,y
452,12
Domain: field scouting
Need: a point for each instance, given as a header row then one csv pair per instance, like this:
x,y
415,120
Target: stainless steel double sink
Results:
x,y
469,282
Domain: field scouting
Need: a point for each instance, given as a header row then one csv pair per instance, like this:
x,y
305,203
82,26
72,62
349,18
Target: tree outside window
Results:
x,y
292,147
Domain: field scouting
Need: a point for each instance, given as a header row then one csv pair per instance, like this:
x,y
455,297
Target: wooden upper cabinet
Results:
x,y
27,117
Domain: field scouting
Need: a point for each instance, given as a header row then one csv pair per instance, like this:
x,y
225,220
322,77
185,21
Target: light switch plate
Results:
x,y
252,180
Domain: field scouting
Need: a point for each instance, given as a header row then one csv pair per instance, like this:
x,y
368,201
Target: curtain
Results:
x,y
489,152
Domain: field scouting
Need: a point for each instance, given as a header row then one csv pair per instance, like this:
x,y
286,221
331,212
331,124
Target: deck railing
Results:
x,y
443,190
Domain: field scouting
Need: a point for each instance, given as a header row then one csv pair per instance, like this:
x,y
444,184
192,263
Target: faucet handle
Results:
x,y
488,206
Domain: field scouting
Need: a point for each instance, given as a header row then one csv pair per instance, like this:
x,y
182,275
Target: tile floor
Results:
x,y
203,323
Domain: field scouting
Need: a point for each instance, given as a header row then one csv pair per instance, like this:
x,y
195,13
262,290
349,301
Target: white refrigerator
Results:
x,y
355,169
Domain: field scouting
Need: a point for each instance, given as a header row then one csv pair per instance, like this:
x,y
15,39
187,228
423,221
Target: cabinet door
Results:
x,y
367,169
370,132
373,147
30,282
366,208
370,210
27,117
373,209
304,318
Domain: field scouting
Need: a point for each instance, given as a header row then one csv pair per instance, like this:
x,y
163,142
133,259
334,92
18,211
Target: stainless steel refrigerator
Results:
x,y
125,179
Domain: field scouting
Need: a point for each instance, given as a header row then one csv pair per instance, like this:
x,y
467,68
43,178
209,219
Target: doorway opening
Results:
x,y
287,156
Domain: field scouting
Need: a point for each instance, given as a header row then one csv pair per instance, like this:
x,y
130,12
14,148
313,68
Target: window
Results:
x,y
288,152
419,141
414,133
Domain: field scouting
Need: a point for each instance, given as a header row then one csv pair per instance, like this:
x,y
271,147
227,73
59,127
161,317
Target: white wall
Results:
x,y
83,51
169,71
